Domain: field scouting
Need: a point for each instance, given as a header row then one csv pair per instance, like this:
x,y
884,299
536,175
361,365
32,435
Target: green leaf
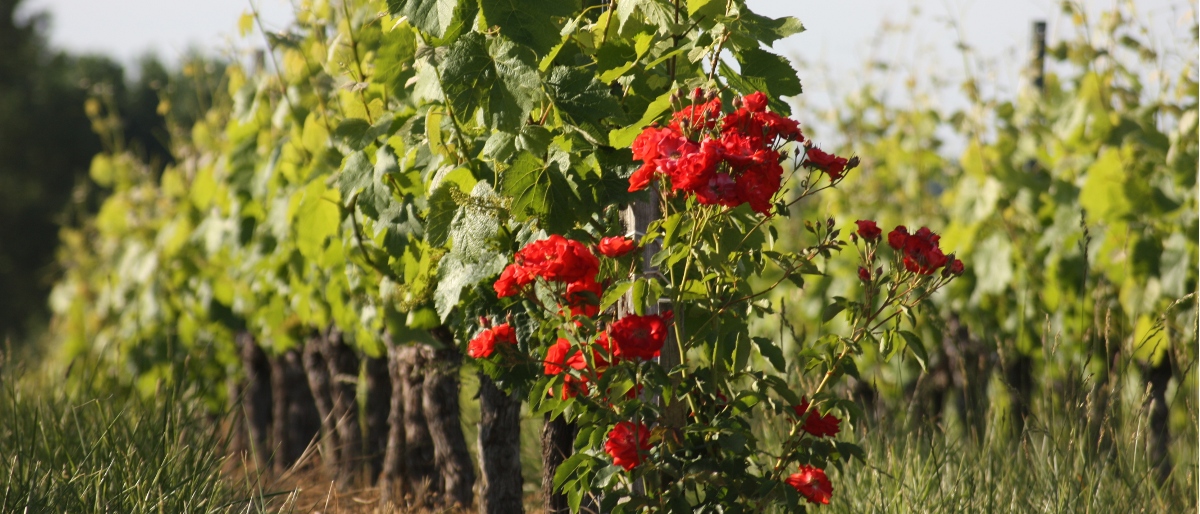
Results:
x,y
442,209
567,468
1104,194
658,12
994,254
583,100
918,349
775,71
497,75
707,7
772,352
473,256
317,219
832,309
436,17
540,190
394,58
501,146
614,294
749,29
314,135
518,90
355,176
528,22
623,137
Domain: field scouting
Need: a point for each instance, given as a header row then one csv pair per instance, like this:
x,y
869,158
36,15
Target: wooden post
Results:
x,y
637,218
1038,54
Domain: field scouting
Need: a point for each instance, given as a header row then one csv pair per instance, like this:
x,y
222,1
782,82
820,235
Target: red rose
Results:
x,y
556,356
864,274
759,184
507,285
556,259
583,304
573,385
692,170
779,126
721,190
867,229
956,267
484,344
755,102
703,116
645,146
897,237
812,483
616,246
627,442
638,337
642,177
829,163
815,423
921,254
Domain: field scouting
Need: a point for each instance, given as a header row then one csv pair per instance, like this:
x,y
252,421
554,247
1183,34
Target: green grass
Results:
x,y
1056,468
68,446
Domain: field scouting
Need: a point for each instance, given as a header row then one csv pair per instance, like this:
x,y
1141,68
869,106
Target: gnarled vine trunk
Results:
x,y
442,415
378,405
1159,436
421,477
295,421
343,388
256,397
391,474
558,438
319,383
499,449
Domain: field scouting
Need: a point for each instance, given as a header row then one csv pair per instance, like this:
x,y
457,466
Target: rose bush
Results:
x,y
630,349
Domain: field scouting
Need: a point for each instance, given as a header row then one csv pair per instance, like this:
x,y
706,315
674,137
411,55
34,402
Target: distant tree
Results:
x,y
46,145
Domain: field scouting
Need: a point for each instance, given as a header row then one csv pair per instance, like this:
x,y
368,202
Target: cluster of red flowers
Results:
x,y
815,423
558,260
735,163
627,443
555,259
484,344
921,254
812,483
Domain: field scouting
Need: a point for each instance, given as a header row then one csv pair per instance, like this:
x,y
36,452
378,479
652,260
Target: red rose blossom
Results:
x,y
484,344
627,442
919,251
755,102
827,162
556,356
582,304
868,230
864,274
815,423
956,267
616,246
555,259
812,483
638,337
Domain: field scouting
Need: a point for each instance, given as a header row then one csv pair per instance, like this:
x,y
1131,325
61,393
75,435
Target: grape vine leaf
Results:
x,y
528,22
498,75
436,17
473,256
585,101
540,190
